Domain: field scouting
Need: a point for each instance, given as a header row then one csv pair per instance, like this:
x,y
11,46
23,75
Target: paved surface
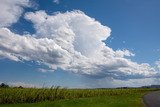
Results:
x,y
152,99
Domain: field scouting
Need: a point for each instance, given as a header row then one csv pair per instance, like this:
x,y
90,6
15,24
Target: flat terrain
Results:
x,y
152,99
108,101
57,97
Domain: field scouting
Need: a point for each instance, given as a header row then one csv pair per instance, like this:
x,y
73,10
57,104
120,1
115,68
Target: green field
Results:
x,y
56,97
108,101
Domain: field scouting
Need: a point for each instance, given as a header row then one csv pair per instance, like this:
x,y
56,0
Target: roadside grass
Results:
x,y
57,97
133,100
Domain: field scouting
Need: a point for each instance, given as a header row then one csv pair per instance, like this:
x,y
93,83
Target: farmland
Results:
x,y
57,97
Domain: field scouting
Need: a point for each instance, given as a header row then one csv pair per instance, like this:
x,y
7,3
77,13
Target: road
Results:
x,y
152,99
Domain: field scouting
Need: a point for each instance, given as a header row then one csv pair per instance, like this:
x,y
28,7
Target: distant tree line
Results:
x,y
3,85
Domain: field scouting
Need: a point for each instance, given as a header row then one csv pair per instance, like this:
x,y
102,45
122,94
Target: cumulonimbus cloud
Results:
x,y
71,41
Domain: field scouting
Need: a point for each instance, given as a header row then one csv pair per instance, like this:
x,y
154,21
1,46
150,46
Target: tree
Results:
x,y
20,87
3,85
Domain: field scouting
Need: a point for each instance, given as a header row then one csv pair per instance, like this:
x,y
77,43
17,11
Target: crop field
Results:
x,y
57,97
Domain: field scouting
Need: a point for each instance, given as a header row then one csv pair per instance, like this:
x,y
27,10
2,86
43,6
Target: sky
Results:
x,y
80,44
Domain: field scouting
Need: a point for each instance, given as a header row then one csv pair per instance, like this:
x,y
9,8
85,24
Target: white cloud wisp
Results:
x,y
56,1
11,10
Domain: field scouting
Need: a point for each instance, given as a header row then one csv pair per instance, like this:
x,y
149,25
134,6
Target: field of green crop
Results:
x,y
105,101
58,97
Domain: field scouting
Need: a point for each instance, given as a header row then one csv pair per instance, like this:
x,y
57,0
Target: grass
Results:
x,y
107,101
56,97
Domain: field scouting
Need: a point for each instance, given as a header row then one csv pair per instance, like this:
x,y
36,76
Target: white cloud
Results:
x,y
71,41
17,84
135,82
11,11
158,64
44,70
18,47
112,83
56,1
122,53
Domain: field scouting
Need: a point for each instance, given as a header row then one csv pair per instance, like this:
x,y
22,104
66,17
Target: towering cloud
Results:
x,y
71,41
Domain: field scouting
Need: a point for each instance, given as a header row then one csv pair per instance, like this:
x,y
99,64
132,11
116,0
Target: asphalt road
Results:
x,y
152,99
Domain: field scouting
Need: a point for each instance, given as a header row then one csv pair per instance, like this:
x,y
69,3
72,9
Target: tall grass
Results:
x,y
30,95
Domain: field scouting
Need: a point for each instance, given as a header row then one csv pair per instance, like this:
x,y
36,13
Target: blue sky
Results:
x,y
135,28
